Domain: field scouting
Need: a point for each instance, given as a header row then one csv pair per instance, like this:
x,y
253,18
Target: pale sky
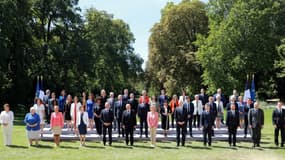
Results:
x,y
141,15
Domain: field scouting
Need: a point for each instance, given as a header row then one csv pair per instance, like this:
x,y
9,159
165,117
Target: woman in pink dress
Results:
x,y
56,123
152,120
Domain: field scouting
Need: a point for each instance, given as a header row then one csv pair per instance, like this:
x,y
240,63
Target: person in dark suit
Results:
x,y
107,118
207,125
119,108
97,114
232,101
203,97
181,118
189,107
143,109
125,97
278,120
232,123
133,102
165,112
256,122
129,122
162,98
213,110
104,98
248,106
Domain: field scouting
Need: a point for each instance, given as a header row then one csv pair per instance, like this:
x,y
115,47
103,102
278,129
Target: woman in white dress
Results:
x,y
73,112
6,120
40,110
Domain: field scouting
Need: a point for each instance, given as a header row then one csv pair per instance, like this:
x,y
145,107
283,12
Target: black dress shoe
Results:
x,y
258,145
282,145
209,144
254,145
234,145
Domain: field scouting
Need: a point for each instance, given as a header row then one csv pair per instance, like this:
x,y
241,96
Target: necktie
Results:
x,y
187,107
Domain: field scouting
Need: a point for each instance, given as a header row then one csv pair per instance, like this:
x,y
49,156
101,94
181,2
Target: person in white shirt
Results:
x,y
82,123
220,111
6,120
198,109
73,111
40,110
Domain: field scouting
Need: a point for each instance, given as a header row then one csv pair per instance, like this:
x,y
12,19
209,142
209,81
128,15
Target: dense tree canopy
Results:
x,y
172,61
71,51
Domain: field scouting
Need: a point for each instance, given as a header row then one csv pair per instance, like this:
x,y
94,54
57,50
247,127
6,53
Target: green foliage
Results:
x,y
172,61
50,38
242,40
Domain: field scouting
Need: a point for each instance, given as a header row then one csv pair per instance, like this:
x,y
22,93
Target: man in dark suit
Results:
x,y
203,96
248,106
180,115
232,123
213,110
207,125
189,108
119,108
133,102
278,120
232,101
125,97
143,108
256,122
162,98
107,118
129,123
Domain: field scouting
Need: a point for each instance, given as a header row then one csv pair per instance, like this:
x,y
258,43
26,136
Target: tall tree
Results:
x,y
172,61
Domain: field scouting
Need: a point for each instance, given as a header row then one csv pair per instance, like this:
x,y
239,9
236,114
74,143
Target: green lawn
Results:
x,y
141,150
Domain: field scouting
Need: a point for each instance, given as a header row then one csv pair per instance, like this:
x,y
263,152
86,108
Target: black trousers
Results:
x,y
172,120
129,135
256,135
109,128
276,135
190,124
196,119
98,125
181,129
119,127
232,136
207,135
143,122
245,124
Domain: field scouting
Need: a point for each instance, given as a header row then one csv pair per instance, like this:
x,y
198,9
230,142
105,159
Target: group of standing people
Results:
x,y
107,114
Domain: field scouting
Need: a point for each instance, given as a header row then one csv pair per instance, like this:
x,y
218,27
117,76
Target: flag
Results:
x,y
39,92
246,91
252,90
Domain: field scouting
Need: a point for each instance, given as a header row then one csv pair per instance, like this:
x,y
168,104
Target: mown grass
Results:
x,y
141,151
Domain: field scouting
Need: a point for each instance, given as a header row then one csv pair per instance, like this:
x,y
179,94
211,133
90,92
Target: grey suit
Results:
x,y
256,120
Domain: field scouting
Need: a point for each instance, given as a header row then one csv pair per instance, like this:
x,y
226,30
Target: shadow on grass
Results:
x,y
122,147
198,147
95,147
17,146
223,147
68,147
141,146
41,146
167,147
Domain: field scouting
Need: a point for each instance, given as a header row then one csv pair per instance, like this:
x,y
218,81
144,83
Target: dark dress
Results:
x,y
164,118
82,126
67,115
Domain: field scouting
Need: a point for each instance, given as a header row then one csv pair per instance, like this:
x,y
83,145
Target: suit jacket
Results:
x,y
129,120
134,104
107,116
278,119
207,120
203,98
190,109
256,118
232,120
198,109
213,109
119,108
143,108
161,99
85,118
152,121
180,115
229,106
